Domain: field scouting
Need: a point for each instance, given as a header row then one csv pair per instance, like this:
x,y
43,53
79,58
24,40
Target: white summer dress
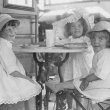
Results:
x,y
13,89
78,64
98,90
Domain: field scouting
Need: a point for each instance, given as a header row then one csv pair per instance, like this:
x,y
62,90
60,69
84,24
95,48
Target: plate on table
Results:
x,y
29,46
59,44
75,46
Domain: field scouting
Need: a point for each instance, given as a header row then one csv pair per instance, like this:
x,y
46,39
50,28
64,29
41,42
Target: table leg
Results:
x,y
38,97
60,100
46,99
39,102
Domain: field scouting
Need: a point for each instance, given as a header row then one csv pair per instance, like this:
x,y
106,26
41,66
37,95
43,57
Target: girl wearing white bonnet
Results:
x,y
74,69
75,35
15,86
77,25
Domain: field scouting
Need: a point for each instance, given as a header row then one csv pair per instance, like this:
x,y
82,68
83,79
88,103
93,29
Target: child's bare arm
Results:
x,y
86,80
18,74
92,77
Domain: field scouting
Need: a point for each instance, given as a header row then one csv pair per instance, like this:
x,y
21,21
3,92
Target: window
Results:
x,y
19,4
53,2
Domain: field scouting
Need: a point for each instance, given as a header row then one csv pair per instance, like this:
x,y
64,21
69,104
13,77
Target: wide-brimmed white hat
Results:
x,y
4,18
58,26
100,26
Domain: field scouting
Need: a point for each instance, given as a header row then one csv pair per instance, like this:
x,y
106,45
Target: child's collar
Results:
x,y
4,41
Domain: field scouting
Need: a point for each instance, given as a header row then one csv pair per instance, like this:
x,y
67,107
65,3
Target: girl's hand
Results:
x,y
19,75
84,84
29,79
54,87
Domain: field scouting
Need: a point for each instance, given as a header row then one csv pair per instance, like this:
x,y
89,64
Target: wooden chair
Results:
x,y
102,105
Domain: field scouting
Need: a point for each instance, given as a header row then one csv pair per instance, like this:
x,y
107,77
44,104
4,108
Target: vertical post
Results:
x,y
38,97
46,99
36,28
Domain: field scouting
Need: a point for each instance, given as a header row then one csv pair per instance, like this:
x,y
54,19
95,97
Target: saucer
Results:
x,y
75,45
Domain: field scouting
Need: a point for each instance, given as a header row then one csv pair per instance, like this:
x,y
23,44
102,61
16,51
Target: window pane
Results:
x,y
63,1
21,2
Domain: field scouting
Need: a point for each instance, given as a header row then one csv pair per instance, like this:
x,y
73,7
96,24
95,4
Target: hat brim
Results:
x,y
97,30
7,20
101,26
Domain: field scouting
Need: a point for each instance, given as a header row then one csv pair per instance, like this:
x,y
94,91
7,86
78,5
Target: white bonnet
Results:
x,y
76,15
100,26
4,18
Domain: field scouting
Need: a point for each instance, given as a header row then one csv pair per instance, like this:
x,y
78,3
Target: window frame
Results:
x,y
72,2
6,4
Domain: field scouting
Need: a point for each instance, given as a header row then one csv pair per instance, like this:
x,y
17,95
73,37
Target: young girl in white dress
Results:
x,y
78,64
96,85
15,86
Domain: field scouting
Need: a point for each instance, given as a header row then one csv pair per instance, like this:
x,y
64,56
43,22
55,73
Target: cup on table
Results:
x,y
50,38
